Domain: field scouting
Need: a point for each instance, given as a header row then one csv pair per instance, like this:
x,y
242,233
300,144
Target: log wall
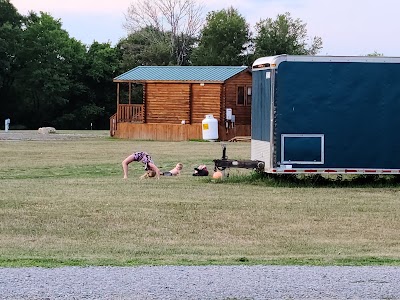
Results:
x,y
167,103
206,99
242,113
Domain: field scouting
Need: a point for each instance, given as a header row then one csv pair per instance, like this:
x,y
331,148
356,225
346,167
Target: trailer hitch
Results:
x,y
225,163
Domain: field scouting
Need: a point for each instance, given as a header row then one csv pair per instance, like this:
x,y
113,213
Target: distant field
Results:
x,y
63,202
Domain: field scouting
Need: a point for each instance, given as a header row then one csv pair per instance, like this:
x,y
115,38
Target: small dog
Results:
x,y
148,174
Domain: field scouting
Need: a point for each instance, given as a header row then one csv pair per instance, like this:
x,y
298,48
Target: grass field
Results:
x,y
64,202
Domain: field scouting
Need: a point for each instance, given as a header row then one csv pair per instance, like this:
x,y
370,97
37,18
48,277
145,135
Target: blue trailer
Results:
x,y
326,114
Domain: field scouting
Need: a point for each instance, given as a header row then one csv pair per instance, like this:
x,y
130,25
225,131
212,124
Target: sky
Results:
x,y
347,27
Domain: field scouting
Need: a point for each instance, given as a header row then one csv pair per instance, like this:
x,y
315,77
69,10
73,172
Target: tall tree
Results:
x,y
103,64
10,40
178,20
284,35
47,55
147,46
48,78
9,14
91,96
223,39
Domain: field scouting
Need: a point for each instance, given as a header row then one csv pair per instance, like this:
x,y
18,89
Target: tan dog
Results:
x,y
148,174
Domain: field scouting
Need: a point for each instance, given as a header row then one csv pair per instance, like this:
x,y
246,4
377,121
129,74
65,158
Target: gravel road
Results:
x,y
205,282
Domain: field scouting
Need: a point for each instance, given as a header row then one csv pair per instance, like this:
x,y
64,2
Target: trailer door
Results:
x,y
261,116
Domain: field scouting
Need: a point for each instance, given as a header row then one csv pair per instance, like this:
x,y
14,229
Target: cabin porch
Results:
x,y
128,123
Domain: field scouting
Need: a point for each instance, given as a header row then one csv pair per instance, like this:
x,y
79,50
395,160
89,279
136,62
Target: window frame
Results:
x,y
246,95
303,162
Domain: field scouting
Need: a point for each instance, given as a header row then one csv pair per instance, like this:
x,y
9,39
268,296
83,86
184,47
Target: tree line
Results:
x,y
48,78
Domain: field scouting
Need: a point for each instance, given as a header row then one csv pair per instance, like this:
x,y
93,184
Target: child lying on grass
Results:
x,y
175,171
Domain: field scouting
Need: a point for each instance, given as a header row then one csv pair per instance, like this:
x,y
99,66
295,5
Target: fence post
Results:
x,y
6,125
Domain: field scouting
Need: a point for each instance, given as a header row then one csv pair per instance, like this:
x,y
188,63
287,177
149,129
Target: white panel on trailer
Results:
x,y
261,150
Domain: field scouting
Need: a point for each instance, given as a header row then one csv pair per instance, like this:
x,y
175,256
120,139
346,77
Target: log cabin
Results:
x,y
169,103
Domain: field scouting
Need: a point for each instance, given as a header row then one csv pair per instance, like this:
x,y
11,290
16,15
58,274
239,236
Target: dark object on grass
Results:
x,y
200,171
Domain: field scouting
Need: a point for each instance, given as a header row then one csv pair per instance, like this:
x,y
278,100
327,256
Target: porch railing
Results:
x,y
130,113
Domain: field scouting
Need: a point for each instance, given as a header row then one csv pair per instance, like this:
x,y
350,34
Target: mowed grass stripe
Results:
x,y
84,213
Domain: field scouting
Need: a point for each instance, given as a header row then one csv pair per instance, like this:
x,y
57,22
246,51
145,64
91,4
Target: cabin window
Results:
x,y
244,95
248,99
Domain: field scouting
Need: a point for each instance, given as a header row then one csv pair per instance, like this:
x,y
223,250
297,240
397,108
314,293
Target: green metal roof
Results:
x,y
180,73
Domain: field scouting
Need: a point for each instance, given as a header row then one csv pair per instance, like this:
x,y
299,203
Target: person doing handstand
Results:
x,y
175,171
142,157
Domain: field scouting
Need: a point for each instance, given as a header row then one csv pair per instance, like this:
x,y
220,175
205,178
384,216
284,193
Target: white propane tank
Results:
x,y
210,128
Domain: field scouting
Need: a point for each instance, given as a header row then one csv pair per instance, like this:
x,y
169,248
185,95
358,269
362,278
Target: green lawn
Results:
x,y
64,202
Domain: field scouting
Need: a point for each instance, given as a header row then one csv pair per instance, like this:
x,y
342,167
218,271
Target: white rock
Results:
x,y
46,130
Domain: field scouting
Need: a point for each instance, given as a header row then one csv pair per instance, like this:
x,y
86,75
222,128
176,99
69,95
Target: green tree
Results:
x,y
91,97
102,65
284,35
223,39
48,78
9,14
148,46
47,58
10,39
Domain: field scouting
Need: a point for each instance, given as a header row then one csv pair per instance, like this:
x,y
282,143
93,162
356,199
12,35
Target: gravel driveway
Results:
x,y
205,282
